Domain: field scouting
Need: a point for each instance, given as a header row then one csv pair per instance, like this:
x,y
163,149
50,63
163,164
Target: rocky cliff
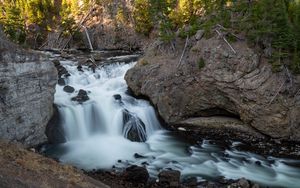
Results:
x,y
212,80
27,86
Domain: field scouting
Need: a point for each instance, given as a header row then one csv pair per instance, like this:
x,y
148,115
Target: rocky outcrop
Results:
x,y
27,86
21,168
212,80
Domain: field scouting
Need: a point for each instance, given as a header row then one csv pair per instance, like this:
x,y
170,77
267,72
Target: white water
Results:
x,y
95,136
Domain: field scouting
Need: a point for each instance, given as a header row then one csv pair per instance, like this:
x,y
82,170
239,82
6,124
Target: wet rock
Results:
x,y
61,82
79,68
170,178
190,182
138,156
81,96
69,89
134,129
56,62
241,183
136,174
117,97
54,130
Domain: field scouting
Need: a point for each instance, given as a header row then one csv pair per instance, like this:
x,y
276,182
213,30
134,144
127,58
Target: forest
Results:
x,y
270,25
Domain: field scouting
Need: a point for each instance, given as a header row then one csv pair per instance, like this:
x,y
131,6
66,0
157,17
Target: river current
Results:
x,y
104,131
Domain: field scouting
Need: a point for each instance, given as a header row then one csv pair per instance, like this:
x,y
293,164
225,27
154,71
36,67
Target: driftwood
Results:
x,y
225,40
183,52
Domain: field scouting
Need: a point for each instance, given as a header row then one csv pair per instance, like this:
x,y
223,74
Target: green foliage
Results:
x,y
142,16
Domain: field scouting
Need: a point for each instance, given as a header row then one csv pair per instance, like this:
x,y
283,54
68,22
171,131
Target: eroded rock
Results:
x,y
241,84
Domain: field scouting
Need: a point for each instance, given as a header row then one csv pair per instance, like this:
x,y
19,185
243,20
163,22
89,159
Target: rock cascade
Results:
x,y
212,80
27,86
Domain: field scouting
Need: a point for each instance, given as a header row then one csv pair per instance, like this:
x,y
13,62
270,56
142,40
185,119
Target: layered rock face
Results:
x,y
27,86
212,80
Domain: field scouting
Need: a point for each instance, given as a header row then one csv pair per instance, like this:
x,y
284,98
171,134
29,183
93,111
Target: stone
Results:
x,y
243,183
79,68
56,62
69,89
27,86
134,129
169,178
81,96
240,86
61,82
199,34
138,156
54,130
117,97
136,174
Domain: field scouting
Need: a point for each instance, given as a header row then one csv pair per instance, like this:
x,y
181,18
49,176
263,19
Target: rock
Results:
x,y
81,96
239,85
56,62
170,178
134,129
79,68
241,183
61,82
69,89
27,86
138,156
54,130
190,182
199,34
117,97
136,174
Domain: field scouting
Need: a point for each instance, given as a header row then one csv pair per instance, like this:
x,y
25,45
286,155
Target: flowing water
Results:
x,y
97,133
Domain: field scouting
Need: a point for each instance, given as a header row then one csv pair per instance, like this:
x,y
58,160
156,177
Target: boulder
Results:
x,y
212,80
69,89
54,130
136,174
27,86
169,178
117,97
133,127
61,82
81,96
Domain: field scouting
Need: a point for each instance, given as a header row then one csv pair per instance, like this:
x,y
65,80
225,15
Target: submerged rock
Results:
x,y
81,96
134,129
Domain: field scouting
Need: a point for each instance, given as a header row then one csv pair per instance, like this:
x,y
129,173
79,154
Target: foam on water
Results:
x,y
95,136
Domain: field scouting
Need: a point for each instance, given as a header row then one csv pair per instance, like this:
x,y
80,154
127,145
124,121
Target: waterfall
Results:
x,y
111,127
